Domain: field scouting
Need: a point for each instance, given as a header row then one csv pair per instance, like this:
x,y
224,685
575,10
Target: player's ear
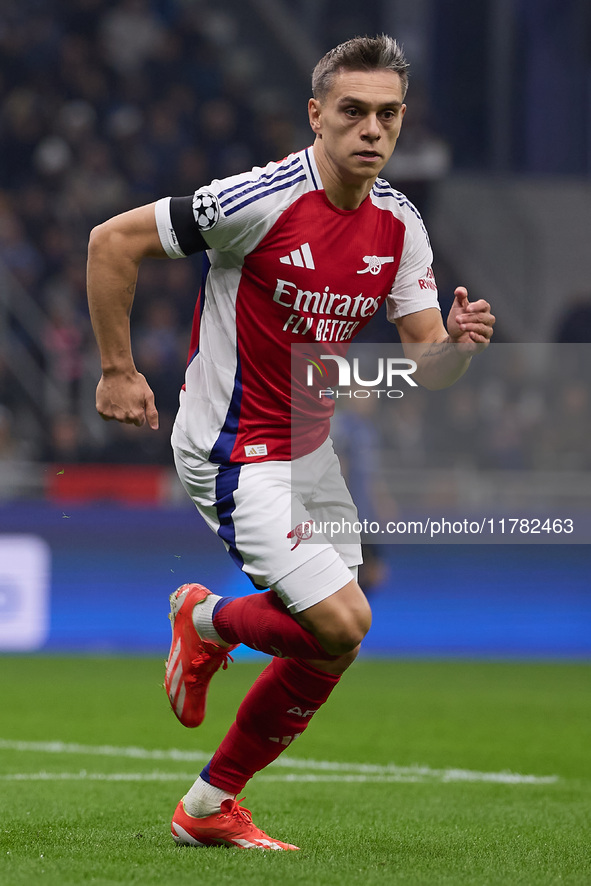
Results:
x,y
314,115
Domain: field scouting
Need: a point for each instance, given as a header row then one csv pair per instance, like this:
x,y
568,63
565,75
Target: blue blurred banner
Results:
x,y
111,569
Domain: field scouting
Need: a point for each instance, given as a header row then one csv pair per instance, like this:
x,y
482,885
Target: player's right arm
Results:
x,y
115,251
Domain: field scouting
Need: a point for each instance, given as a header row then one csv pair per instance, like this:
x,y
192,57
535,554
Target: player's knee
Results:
x,y
343,634
340,621
343,639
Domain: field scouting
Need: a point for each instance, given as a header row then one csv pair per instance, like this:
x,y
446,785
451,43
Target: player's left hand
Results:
x,y
470,324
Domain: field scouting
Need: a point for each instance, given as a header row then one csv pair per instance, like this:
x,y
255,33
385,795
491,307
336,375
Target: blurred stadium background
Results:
x,y
108,105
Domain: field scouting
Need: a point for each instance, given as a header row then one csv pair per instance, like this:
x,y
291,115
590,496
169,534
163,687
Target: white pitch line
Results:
x,y
406,775
308,770
345,778
189,777
97,776
60,747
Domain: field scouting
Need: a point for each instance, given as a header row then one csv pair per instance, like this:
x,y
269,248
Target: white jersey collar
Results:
x,y
311,168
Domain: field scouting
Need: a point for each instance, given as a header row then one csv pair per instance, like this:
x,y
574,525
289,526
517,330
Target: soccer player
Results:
x,y
300,251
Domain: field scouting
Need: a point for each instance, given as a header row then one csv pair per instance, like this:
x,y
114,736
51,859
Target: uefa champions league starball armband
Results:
x,y
206,209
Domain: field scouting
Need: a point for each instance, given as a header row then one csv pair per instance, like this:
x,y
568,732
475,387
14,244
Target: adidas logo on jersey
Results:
x,y
301,258
255,449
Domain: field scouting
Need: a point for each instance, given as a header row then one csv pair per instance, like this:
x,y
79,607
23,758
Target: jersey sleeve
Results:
x,y
229,215
414,288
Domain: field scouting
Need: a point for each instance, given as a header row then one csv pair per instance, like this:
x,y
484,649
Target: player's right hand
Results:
x,y
127,398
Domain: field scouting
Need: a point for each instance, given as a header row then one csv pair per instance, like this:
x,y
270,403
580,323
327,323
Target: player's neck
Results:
x,y
343,195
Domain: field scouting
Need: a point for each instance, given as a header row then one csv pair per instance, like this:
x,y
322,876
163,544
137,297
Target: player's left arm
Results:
x,y
443,355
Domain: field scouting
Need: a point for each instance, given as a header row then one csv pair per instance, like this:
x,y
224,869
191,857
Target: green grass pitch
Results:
x,y
422,772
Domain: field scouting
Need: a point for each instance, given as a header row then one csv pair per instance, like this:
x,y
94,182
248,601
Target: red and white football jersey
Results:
x,y
284,266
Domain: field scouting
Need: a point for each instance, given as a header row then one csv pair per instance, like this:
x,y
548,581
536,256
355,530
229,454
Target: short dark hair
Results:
x,y
360,54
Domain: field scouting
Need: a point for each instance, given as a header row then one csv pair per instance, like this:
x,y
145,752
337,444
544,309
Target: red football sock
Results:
x,y
263,622
275,711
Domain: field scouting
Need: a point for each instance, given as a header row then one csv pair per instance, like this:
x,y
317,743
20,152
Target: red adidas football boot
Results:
x,y
192,662
231,826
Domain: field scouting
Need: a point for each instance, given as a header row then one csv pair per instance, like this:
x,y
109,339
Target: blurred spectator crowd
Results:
x,y
106,106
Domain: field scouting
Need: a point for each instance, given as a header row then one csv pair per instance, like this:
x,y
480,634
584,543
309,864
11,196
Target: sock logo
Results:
x,y
285,740
300,713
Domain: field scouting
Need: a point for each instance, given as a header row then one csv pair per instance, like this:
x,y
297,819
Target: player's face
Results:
x,y
359,123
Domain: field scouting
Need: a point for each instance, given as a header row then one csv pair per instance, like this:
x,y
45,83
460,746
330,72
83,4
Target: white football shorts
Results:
x,y
270,516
